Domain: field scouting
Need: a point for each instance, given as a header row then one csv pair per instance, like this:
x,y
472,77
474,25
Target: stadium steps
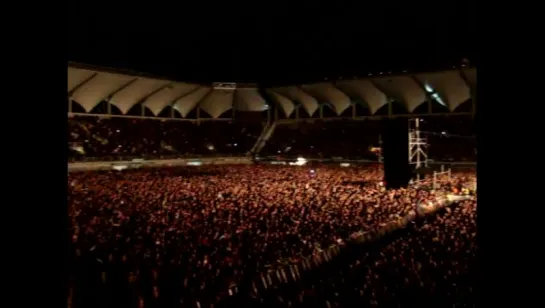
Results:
x,y
267,132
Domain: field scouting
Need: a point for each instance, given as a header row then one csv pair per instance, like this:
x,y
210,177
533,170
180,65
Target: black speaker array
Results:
x,y
395,147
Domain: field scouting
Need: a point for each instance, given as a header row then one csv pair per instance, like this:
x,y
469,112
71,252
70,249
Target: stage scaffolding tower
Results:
x,y
418,146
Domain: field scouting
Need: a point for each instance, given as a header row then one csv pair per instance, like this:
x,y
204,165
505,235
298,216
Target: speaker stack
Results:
x,y
395,147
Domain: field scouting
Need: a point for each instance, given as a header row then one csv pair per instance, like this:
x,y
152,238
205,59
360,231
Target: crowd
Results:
x,y
176,237
122,138
449,138
431,263
348,139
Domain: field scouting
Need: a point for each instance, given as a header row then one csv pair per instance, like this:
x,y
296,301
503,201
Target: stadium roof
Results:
x,y
90,86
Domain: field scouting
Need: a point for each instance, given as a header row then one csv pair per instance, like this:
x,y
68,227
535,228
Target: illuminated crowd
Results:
x,y
431,263
183,236
449,139
94,138
205,236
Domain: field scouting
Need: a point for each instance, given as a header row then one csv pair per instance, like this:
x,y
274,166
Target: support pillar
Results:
x,y
390,108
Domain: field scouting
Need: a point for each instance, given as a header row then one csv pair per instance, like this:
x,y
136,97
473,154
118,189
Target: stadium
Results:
x,y
346,192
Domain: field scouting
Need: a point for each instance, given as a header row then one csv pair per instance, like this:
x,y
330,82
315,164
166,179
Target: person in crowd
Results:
x,y
102,138
184,237
98,138
430,263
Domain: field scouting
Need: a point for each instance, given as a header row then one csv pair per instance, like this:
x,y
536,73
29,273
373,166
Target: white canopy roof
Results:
x,y
89,87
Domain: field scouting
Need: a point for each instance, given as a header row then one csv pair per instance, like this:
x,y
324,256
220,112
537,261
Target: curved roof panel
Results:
x,y
449,85
77,76
186,103
285,103
365,90
295,94
136,92
471,76
99,88
217,102
89,87
403,89
249,100
326,92
157,101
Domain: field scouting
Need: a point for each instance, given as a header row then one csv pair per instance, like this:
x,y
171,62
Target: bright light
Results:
x,y
300,162
428,88
438,99
434,95
312,171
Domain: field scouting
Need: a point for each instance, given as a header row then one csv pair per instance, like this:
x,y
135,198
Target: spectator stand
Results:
x,y
112,94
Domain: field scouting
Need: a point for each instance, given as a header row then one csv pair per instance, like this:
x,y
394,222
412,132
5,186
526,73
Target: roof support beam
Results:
x,y
318,100
74,89
109,96
351,98
309,94
389,99
428,95
182,96
143,99
277,104
472,91
198,103
334,84
233,102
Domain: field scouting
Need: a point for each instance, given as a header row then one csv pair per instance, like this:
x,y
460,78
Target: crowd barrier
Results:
x,y
292,272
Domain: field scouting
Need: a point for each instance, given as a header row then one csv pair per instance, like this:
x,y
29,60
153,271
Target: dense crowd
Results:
x,y
431,263
174,237
116,138
449,138
348,139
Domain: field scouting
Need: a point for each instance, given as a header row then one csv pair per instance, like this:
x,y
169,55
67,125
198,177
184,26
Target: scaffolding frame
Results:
x,y
418,145
436,181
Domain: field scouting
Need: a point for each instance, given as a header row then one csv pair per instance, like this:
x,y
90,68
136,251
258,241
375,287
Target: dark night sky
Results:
x,y
276,44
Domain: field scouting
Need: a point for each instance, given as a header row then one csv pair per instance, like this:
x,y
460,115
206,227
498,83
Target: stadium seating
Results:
x,y
93,138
